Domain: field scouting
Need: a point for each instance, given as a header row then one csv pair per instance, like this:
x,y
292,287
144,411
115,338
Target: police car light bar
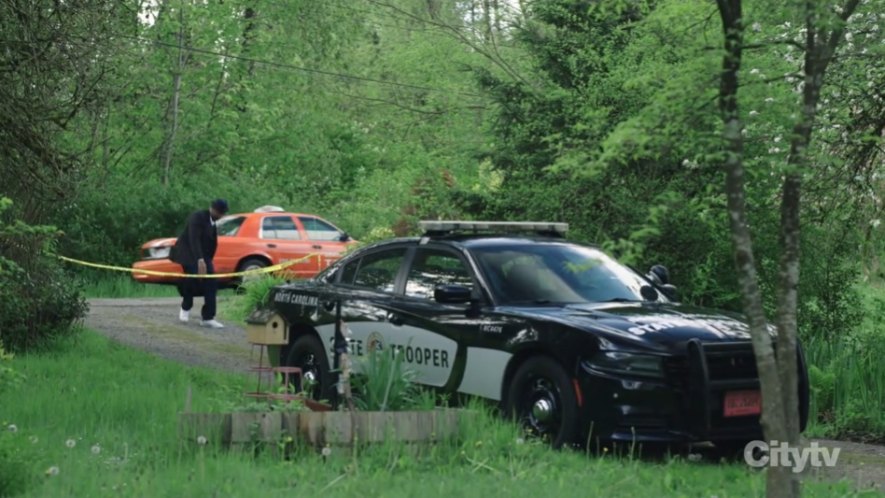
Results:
x,y
532,226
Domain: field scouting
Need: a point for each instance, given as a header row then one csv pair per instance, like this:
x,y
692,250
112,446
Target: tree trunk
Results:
x,y
773,424
174,104
819,51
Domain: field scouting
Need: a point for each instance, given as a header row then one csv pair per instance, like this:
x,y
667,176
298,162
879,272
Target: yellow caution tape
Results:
x,y
267,269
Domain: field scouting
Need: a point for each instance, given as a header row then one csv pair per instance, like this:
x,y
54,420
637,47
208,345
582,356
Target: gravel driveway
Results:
x,y
152,325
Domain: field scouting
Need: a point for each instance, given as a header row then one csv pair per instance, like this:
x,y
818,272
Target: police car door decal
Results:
x,y
429,355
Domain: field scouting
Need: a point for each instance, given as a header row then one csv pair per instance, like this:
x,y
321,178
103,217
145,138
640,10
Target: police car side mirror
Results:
x,y
451,294
344,237
659,274
670,291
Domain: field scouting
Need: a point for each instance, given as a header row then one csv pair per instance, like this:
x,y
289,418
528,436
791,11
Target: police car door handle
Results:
x,y
271,246
395,319
316,246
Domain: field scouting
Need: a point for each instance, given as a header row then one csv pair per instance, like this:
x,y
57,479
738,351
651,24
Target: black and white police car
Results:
x,y
560,334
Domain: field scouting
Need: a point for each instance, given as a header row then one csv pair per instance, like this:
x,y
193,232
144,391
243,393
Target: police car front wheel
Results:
x,y
307,354
542,399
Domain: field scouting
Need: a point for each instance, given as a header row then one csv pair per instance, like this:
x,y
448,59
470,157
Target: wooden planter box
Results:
x,y
245,430
346,428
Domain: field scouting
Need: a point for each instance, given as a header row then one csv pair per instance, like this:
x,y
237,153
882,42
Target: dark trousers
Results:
x,y
207,287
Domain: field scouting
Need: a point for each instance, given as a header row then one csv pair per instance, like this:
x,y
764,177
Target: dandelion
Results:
x,y
52,471
326,451
757,27
694,457
12,428
520,440
605,449
96,449
70,443
201,440
33,439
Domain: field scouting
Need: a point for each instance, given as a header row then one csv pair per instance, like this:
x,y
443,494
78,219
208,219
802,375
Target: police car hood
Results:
x,y
658,326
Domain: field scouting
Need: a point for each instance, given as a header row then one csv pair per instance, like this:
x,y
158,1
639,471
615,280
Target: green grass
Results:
x,y
848,376
123,286
95,392
120,286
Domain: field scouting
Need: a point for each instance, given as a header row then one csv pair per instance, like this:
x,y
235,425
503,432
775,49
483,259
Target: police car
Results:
x,y
557,333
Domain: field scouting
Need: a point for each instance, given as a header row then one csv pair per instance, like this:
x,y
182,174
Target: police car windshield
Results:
x,y
555,273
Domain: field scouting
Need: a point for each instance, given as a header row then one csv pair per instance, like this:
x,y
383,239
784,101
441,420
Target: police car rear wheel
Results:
x,y
544,401
307,354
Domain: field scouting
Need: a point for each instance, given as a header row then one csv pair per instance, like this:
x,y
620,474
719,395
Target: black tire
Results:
x,y
731,450
307,353
249,264
542,399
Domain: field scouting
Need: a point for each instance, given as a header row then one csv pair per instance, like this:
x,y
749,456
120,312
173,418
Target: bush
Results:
x,y
8,376
383,383
38,302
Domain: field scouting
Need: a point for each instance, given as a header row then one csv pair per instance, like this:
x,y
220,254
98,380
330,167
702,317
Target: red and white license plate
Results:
x,y
742,403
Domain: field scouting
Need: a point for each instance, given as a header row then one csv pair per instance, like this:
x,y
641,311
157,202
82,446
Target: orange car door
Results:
x,y
284,242
325,238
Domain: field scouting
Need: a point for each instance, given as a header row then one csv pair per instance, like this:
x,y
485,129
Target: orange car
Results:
x,y
247,241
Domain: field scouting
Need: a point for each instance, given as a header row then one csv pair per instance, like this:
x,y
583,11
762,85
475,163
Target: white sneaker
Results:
x,y
212,324
183,315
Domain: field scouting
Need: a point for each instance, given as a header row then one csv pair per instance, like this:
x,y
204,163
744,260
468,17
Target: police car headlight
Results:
x,y
159,252
632,364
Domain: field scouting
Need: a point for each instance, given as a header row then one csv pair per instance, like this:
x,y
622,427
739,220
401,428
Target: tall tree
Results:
x,y
776,358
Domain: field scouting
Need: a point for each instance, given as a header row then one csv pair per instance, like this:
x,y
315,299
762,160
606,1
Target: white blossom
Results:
x,y
70,443
52,471
12,428
754,71
774,150
757,27
96,449
753,113
876,223
201,440
777,139
769,100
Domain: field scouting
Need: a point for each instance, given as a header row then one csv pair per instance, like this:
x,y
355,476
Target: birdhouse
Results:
x,y
266,327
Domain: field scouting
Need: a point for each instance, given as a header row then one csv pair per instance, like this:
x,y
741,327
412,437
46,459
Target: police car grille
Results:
x,y
724,363
731,363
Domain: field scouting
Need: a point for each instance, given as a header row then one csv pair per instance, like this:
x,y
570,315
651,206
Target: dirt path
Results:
x,y
152,325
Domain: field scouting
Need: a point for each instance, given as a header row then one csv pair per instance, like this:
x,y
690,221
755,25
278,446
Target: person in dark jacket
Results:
x,y
194,250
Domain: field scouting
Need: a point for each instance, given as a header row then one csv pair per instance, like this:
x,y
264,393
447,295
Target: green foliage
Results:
x,y
9,377
16,460
132,421
384,383
847,379
256,292
37,301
